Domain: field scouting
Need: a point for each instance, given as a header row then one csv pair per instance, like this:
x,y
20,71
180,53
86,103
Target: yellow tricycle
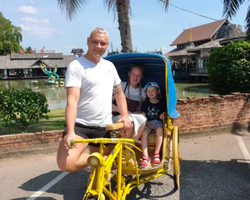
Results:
x,y
117,168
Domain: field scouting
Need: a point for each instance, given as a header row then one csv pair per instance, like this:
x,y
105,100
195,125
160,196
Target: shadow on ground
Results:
x,y
71,187
74,185
199,180
212,179
155,189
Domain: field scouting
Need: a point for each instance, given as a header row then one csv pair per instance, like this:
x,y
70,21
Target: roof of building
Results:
x,y
32,56
33,60
199,33
233,39
209,45
77,50
179,52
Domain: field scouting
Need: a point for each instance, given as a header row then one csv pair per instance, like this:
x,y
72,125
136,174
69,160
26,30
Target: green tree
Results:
x,y
229,68
10,37
121,9
20,108
230,9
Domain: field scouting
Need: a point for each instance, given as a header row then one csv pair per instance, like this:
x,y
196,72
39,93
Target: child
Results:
x,y
154,108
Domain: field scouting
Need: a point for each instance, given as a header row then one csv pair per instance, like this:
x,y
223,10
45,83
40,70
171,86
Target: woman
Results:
x,y
134,96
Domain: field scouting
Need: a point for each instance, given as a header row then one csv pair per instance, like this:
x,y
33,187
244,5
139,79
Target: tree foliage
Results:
x,y
229,68
20,108
10,37
120,8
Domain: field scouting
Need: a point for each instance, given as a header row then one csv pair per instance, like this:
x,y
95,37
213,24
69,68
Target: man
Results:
x,y
90,82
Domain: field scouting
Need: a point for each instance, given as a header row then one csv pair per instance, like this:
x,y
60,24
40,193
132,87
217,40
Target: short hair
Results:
x,y
99,30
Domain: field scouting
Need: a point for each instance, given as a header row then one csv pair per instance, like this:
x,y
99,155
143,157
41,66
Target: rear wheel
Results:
x,y
176,157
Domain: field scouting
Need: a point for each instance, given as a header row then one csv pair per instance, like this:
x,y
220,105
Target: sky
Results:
x,y
45,25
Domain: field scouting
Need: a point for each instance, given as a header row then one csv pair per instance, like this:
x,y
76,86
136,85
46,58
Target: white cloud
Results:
x,y
28,9
33,20
38,27
38,30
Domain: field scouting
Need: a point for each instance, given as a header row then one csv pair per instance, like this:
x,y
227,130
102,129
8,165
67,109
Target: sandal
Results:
x,y
157,160
145,162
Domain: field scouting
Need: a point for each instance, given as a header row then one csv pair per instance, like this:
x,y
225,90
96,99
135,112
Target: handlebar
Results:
x,y
103,140
110,127
115,126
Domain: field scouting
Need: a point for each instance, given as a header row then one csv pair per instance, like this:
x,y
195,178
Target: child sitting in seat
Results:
x,y
154,108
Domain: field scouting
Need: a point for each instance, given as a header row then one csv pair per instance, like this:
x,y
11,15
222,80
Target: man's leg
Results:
x,y
72,160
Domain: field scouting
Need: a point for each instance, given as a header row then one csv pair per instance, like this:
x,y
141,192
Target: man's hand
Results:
x,y
127,123
67,139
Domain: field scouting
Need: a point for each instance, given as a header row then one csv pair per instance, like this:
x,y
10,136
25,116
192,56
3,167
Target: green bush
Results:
x,y
229,68
20,108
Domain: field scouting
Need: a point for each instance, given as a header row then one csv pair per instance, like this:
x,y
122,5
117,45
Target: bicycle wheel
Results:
x,y
176,156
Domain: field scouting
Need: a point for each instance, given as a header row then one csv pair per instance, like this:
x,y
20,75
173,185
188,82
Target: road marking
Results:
x,y
243,149
48,186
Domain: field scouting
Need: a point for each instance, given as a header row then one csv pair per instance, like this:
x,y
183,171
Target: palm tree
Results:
x,y
230,9
121,9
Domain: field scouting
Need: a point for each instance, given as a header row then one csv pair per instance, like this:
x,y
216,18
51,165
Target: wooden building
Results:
x,y
27,65
194,45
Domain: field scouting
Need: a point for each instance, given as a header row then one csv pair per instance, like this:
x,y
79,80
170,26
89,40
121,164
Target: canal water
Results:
x,y
56,95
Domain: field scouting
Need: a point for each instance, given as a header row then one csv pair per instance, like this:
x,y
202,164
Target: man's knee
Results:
x,y
65,163
71,160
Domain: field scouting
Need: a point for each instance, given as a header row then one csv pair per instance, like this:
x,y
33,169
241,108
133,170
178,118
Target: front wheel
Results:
x,y
94,197
176,157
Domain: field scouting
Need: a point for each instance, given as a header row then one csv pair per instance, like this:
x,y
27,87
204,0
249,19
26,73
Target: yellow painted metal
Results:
x,y
98,159
176,156
114,126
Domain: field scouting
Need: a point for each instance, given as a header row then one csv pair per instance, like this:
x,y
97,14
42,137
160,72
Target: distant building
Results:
x,y
194,46
27,65
156,51
77,52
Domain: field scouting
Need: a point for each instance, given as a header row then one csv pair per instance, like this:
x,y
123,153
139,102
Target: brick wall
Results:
x,y
213,111
26,143
197,114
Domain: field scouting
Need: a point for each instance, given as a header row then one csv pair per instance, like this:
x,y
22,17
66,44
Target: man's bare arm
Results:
x,y
71,108
120,100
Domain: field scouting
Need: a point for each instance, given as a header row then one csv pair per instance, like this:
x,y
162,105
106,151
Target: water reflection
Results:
x,y
185,90
56,95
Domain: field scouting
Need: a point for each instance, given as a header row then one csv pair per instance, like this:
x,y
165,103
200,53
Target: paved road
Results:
x,y
214,167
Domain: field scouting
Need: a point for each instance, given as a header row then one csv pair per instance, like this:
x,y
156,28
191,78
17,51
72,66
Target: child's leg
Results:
x,y
144,144
159,139
144,141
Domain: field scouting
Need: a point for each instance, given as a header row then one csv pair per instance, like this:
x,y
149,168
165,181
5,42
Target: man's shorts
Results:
x,y
89,132
155,124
